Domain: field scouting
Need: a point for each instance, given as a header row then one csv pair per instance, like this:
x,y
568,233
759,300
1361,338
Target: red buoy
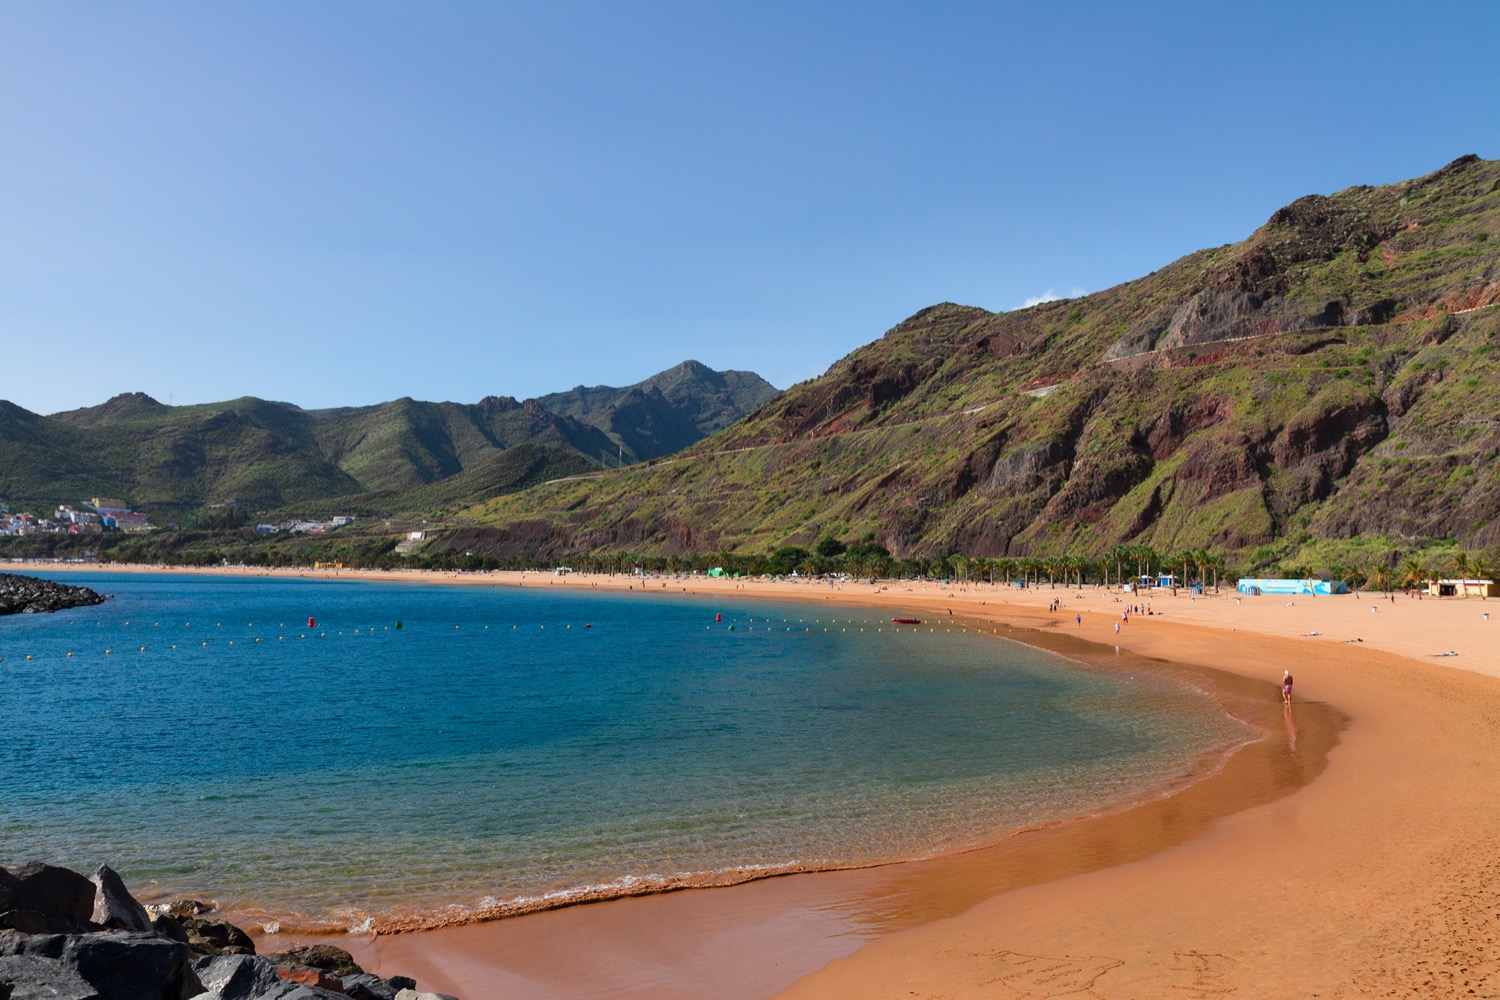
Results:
x,y
718,618
311,623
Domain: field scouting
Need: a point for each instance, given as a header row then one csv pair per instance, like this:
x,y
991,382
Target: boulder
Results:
x,y
319,956
120,965
216,937
307,976
248,977
169,928
63,898
32,922
33,977
365,986
239,977
114,906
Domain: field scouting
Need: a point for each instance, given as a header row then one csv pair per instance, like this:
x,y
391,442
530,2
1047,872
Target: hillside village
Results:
x,y
100,515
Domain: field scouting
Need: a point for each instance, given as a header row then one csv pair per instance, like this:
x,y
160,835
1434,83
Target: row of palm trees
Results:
x,y
1130,562
1415,571
1121,563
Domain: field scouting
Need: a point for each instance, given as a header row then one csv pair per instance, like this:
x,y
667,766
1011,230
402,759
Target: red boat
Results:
x,y
907,621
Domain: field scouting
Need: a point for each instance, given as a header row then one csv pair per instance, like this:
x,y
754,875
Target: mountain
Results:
x,y
269,455
1333,377
667,412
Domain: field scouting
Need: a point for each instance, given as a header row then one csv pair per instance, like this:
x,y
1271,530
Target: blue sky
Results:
x,y
341,203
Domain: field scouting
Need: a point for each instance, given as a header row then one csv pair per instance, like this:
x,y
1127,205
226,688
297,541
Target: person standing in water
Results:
x,y
1286,686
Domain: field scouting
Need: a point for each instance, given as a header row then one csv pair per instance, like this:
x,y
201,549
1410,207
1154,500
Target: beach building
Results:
x,y
1256,585
1463,588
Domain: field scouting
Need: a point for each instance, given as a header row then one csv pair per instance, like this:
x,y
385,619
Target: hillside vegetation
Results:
x,y
396,457
1330,379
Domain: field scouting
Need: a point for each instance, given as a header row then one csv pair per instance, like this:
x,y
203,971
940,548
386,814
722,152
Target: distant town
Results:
x,y
100,515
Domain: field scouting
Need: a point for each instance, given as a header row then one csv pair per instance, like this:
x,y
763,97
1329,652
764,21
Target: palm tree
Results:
x,y
1143,556
1183,560
1413,572
1200,562
1117,554
1083,566
1005,566
1379,577
1053,565
1481,571
1461,568
960,567
1215,564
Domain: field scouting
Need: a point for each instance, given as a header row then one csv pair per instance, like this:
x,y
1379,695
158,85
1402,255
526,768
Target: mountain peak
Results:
x,y
125,406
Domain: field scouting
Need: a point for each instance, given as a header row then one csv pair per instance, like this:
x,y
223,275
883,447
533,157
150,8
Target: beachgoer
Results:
x,y
1079,620
1117,628
1286,686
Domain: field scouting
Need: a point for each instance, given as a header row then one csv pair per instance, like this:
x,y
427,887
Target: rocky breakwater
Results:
x,y
30,595
67,937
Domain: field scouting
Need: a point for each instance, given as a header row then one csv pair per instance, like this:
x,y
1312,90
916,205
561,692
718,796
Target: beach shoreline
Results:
x,y
1136,924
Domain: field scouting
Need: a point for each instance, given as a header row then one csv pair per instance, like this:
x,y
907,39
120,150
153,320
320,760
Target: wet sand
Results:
x,y
1374,876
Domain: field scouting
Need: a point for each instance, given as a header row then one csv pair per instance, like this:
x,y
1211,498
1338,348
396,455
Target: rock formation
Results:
x,y
29,595
67,937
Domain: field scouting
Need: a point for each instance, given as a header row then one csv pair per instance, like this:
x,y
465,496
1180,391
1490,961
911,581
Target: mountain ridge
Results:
x,y
1253,395
268,455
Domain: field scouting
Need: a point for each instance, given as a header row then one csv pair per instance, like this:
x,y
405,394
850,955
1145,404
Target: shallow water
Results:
x,y
495,748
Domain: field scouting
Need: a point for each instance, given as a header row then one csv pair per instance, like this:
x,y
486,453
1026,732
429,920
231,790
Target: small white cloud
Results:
x,y
1053,295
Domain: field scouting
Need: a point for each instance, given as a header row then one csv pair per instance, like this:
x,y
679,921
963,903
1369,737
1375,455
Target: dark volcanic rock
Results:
x,y
306,976
364,986
319,956
46,899
171,959
186,908
239,976
168,927
30,595
114,906
246,977
216,937
120,965
34,977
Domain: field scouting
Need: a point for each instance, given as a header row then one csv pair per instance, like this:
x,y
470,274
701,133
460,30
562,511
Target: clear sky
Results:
x,y
341,203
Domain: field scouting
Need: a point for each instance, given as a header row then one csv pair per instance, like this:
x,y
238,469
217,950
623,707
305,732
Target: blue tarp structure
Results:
x,y
1309,586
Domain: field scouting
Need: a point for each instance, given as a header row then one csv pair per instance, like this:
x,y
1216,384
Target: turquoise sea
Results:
x,y
514,748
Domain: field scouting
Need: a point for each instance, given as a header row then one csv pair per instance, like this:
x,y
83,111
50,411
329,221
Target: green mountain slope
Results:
x,y
268,455
1333,375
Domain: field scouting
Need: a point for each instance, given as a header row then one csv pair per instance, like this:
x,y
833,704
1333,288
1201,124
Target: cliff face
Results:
x,y
1333,375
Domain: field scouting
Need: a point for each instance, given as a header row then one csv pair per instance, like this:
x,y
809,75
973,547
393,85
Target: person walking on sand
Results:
x,y
1286,686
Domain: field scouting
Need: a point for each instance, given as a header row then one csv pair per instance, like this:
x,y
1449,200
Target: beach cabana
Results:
x,y
1463,588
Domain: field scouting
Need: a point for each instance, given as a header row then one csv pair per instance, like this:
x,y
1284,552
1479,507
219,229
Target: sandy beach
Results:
x,y
1352,852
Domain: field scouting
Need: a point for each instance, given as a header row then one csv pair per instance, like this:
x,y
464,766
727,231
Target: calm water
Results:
x,y
495,748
